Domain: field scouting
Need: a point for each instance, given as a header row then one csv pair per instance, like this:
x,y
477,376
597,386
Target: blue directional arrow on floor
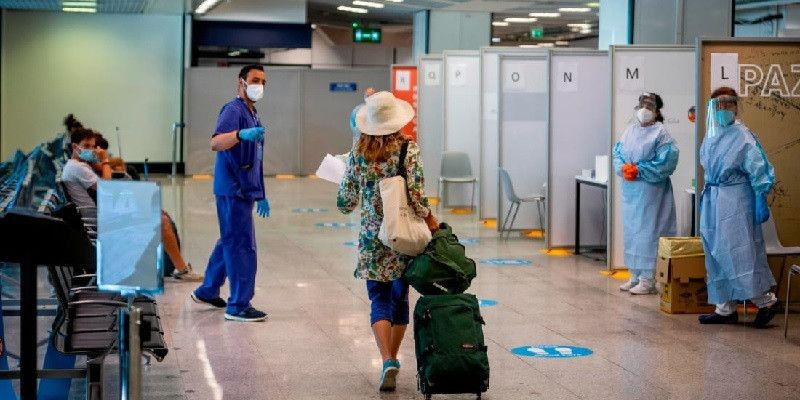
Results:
x,y
352,243
506,261
551,351
335,224
469,241
309,210
487,302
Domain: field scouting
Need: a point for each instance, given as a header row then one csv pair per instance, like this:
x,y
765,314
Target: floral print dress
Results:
x,y
376,261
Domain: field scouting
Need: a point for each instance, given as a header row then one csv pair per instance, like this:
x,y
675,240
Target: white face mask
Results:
x,y
645,116
254,92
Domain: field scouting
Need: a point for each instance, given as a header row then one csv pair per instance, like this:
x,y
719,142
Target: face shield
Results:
x,y
721,113
647,101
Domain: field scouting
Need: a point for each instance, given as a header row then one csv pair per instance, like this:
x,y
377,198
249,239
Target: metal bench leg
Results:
x,y
786,309
472,199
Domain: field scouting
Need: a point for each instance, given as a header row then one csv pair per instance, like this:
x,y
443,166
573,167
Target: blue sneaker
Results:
x,y
389,375
247,315
217,302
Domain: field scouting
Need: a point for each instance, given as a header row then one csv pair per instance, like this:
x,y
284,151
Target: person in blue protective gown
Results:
x,y
733,206
353,128
238,141
645,157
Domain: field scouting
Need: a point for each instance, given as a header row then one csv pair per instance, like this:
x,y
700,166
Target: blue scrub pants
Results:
x,y
389,301
234,256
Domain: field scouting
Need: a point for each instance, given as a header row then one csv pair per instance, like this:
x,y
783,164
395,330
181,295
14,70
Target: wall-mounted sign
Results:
x,y
343,87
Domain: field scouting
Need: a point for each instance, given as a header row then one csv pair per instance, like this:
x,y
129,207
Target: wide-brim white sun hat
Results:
x,y
383,114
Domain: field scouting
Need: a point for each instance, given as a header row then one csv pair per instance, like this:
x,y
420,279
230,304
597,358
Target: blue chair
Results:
x,y
516,202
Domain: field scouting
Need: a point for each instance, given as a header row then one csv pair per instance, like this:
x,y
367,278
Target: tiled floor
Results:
x,y
317,343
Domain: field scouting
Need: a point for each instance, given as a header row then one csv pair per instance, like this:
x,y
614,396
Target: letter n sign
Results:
x,y
566,79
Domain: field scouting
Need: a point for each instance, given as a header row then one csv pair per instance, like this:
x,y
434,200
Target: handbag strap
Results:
x,y
401,169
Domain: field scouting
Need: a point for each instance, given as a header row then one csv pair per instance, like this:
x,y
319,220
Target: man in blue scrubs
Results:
x,y
238,185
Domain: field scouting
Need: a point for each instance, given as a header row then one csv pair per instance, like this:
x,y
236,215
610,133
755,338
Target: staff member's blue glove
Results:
x,y
762,209
255,134
262,207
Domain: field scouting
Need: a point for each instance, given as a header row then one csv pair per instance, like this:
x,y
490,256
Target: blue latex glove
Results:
x,y
762,209
262,207
255,134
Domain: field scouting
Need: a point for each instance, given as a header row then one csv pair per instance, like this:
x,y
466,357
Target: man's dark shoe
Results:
x,y
765,315
714,318
217,302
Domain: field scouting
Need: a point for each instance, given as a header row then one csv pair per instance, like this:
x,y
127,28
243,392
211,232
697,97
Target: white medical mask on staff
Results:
x,y
254,92
645,116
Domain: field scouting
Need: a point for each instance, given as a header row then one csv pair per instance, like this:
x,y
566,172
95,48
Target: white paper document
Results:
x,y
331,169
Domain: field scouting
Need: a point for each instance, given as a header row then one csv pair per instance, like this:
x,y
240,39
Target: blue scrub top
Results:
x,y
239,170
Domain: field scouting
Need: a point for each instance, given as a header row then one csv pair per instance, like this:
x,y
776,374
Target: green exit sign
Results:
x,y
537,33
366,35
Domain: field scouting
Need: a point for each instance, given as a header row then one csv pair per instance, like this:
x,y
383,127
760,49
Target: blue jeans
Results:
x,y
234,256
389,301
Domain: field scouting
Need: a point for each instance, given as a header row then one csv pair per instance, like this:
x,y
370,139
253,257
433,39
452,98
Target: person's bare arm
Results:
x,y
105,167
224,141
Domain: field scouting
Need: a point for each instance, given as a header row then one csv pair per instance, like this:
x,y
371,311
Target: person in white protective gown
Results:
x,y
645,158
733,206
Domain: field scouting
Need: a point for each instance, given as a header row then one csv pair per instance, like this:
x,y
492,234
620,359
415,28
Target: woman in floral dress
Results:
x,y
375,156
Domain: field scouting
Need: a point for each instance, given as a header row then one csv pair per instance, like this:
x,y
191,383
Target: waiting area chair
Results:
x,y
776,248
456,168
516,202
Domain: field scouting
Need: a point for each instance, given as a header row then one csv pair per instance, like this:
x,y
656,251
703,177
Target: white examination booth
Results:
x,y
669,71
579,121
430,122
522,126
490,139
462,118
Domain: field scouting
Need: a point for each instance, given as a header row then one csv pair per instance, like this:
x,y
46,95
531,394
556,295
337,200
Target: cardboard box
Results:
x,y
682,274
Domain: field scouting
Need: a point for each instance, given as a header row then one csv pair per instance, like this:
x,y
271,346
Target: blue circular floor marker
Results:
x,y
335,224
506,261
469,241
352,243
309,210
551,351
487,302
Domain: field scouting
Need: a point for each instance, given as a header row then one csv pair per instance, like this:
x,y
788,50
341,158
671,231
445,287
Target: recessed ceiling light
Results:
x,y
562,43
313,26
90,4
520,20
205,6
499,23
353,9
367,4
79,9
529,46
495,40
546,45
574,9
545,14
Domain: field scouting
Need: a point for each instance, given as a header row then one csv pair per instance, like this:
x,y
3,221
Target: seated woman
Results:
x,y
79,169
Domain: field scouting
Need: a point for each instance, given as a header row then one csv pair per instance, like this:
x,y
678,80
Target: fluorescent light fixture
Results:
x,y
545,14
574,9
495,40
520,20
353,9
367,4
91,3
205,6
585,31
79,9
546,45
313,26
395,1
579,25
529,46
499,23
562,43
593,5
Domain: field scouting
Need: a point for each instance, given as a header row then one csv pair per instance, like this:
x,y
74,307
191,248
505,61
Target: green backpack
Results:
x,y
443,268
451,353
